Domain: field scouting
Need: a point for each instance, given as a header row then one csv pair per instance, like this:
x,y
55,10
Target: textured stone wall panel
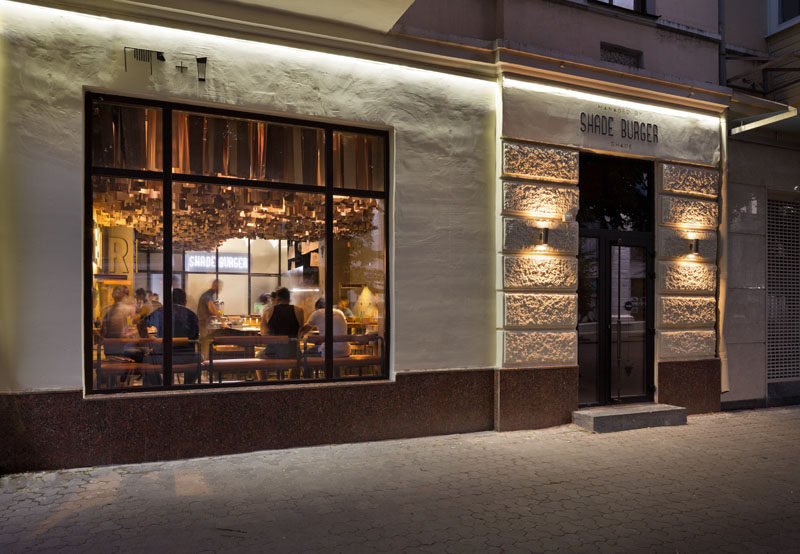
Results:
x,y
689,212
681,179
539,199
687,345
686,311
541,311
540,272
686,277
540,347
545,163
674,243
523,235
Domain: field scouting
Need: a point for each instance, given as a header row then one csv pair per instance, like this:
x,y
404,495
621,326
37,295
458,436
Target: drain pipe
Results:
x,y
722,258
722,243
723,71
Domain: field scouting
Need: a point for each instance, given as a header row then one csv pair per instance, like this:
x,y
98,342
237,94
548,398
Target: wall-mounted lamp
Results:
x,y
201,68
544,237
694,247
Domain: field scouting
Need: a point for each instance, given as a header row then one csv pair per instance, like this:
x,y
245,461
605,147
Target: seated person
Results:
x,y
282,319
317,320
343,305
153,298
116,324
143,309
184,325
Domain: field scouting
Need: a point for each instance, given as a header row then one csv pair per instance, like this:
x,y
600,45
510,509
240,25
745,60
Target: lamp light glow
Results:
x,y
592,97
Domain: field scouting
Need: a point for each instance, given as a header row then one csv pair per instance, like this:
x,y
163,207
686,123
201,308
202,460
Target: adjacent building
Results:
x,y
504,210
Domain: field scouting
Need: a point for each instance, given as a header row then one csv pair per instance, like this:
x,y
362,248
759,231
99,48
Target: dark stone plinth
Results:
x,y
695,385
624,417
533,398
52,430
785,393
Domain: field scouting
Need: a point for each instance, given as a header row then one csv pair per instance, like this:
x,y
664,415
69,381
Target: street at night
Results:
x,y
725,482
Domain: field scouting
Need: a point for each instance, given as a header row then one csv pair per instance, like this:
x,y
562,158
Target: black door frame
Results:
x,y
605,240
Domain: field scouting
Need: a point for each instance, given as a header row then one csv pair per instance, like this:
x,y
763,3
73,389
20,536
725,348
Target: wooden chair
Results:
x,y
250,362
314,364
118,365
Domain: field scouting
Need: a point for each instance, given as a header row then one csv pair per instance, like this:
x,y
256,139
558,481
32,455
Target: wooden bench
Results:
x,y
313,364
112,368
250,362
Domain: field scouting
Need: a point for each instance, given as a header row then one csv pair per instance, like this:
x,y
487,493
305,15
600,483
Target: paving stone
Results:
x,y
724,483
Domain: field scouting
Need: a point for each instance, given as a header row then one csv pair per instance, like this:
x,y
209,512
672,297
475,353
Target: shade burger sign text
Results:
x,y
207,262
627,129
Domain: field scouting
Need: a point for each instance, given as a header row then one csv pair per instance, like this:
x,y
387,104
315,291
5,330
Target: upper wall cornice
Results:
x,y
485,61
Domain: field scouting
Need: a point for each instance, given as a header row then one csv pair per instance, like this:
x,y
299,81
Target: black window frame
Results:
x,y
639,6
166,177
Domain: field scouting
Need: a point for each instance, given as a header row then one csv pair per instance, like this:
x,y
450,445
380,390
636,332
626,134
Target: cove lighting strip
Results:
x,y
591,97
214,44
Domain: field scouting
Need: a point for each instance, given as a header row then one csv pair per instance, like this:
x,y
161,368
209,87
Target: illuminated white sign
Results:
x,y
557,115
207,262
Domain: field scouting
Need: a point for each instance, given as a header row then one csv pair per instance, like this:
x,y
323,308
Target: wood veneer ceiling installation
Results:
x,y
206,215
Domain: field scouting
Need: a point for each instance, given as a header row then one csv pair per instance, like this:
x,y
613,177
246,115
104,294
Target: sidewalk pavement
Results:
x,y
727,482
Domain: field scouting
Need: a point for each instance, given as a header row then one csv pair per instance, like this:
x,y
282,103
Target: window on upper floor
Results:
x,y
633,5
789,9
782,14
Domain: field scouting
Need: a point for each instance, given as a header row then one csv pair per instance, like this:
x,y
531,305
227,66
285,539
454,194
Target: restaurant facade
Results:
x,y
495,236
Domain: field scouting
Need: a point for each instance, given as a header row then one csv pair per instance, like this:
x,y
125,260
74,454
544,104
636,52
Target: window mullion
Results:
x,y
329,254
88,249
166,216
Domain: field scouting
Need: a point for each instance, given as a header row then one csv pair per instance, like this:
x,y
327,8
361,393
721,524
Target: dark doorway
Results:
x,y
615,280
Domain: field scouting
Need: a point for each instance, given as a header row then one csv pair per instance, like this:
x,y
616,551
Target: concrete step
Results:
x,y
623,417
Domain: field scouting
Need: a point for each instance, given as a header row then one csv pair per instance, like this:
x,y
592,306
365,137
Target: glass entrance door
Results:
x,y
615,291
615,280
628,333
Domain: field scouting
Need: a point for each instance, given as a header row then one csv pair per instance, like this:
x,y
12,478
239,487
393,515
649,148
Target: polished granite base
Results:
x,y
60,429
695,385
783,393
52,430
534,398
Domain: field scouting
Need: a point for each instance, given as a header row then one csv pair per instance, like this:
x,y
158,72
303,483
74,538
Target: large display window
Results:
x,y
252,235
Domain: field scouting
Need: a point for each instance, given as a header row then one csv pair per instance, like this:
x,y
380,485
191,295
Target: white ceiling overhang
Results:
x,y
376,15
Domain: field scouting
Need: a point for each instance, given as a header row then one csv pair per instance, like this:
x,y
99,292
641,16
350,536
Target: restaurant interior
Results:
x,y
248,216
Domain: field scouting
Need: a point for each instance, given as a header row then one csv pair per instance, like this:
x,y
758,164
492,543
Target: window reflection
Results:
x,y
237,232
127,230
126,137
615,193
359,282
358,161
247,149
248,270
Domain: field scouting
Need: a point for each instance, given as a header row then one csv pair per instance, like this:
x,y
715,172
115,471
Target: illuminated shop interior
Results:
x,y
248,210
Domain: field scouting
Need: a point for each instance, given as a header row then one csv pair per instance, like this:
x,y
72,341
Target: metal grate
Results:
x,y
783,290
620,55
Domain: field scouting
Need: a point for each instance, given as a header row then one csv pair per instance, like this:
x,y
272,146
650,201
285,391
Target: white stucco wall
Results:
x,y
443,273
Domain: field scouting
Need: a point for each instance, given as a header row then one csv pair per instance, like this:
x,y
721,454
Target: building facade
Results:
x,y
503,209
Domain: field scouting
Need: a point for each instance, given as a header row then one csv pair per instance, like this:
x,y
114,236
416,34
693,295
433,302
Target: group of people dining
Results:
x,y
143,318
